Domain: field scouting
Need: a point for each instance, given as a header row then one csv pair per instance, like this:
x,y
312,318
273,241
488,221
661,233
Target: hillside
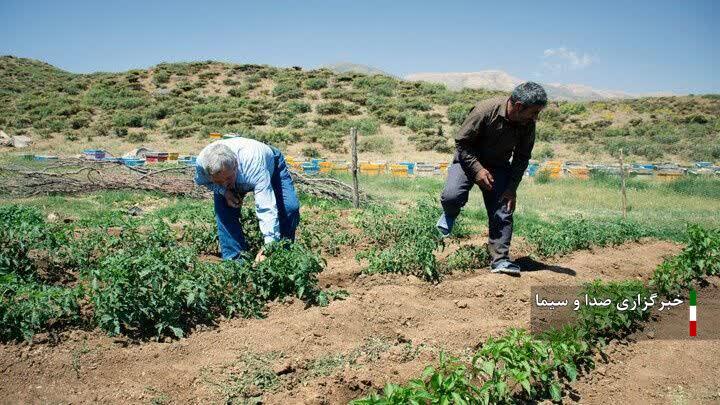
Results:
x,y
174,107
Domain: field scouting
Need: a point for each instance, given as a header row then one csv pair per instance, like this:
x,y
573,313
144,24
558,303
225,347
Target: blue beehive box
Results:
x,y
410,167
310,168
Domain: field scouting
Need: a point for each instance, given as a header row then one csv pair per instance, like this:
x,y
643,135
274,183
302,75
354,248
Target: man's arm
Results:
x,y
465,144
521,157
201,179
266,210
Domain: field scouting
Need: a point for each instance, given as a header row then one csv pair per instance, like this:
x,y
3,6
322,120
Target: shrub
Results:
x,y
419,122
573,108
330,108
546,152
297,107
286,91
310,152
315,83
457,112
375,144
137,137
123,119
161,77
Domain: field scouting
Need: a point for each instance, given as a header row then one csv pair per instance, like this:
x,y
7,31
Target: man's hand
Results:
x,y
484,179
260,256
509,198
232,200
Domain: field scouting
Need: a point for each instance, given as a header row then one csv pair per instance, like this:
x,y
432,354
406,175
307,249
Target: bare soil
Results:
x,y
387,329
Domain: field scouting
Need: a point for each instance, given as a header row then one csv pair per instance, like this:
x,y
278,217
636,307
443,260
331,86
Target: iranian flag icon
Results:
x,y
693,313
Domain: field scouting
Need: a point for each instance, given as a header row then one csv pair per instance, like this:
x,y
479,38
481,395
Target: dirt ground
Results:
x,y
387,329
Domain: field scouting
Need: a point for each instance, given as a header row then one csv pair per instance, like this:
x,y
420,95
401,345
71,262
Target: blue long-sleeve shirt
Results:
x,y
255,168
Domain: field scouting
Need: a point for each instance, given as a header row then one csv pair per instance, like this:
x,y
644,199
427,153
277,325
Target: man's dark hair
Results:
x,y
529,93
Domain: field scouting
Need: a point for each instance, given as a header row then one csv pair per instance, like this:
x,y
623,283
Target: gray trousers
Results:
x,y
500,220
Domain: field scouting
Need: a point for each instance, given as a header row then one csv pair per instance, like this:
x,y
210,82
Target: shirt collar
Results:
x,y
503,108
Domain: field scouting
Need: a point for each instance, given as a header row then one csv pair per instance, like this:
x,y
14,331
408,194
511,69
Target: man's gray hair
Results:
x,y
216,158
529,93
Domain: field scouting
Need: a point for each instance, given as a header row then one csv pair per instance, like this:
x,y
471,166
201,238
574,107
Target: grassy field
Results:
x,y
668,206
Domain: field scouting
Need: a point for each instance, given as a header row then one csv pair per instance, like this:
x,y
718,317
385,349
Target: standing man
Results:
x,y
233,167
495,130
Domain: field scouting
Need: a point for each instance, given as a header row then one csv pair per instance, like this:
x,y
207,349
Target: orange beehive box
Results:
x,y
325,167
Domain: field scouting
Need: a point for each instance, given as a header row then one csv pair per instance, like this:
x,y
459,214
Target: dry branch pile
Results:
x,y
73,176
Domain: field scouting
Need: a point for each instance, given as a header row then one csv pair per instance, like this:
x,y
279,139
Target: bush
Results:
x,y
547,133
315,83
297,107
123,119
546,152
572,108
137,137
330,108
375,144
457,112
285,91
310,152
419,122
161,77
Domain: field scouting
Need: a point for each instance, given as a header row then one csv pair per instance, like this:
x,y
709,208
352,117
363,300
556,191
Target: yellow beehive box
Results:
x,y
399,170
340,167
371,169
669,175
582,173
215,135
173,155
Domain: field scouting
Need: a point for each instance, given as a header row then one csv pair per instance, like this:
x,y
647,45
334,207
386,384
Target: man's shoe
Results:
x,y
506,267
445,225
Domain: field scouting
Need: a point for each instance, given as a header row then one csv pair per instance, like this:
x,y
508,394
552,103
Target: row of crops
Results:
x,y
142,279
154,277
519,367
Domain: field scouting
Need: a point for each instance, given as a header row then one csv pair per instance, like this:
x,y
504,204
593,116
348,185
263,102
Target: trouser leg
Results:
x,y
230,233
454,196
286,198
500,220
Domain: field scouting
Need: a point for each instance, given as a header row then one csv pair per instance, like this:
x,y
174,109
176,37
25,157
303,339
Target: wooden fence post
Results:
x,y
354,167
622,186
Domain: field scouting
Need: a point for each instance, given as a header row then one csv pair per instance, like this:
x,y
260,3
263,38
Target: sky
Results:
x,y
635,46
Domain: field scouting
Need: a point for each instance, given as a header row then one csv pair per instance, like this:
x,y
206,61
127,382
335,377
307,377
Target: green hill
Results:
x,y
176,105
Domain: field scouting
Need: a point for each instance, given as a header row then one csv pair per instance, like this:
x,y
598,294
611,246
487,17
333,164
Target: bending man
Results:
x,y
233,167
495,130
